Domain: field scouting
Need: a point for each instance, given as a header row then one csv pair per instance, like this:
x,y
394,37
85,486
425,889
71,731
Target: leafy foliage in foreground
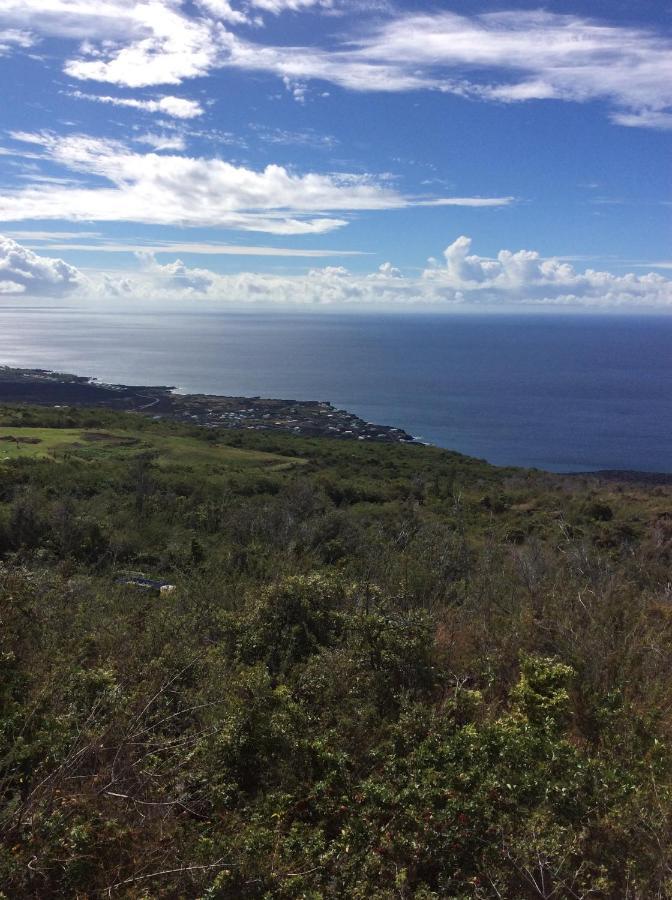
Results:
x,y
386,672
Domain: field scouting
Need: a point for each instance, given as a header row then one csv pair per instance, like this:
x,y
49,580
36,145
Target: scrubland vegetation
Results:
x,y
385,671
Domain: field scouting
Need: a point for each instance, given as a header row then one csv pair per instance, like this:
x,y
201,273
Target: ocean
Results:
x,y
563,392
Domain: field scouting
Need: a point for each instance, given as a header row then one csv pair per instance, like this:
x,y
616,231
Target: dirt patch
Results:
x,y
18,439
112,440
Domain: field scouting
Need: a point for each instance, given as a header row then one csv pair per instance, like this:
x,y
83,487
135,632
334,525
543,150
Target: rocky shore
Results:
x,y
304,417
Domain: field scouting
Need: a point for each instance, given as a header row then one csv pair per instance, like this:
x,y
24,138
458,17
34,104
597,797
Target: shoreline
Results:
x,y
306,418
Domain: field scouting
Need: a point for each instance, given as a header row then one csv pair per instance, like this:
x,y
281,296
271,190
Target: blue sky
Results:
x,y
329,151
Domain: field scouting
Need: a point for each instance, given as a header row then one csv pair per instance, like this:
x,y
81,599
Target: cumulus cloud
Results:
x,y
526,277
512,279
24,272
325,286
463,279
177,276
127,42
177,107
521,279
167,58
173,189
11,287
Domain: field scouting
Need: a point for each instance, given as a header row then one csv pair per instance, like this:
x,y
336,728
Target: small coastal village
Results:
x,y
308,418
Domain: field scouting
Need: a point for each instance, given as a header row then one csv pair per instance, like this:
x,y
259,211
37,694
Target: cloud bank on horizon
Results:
x,y
521,278
298,119
24,272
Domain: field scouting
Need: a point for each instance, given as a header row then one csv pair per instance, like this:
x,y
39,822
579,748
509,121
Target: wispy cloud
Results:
x,y
14,38
278,6
644,118
519,55
162,141
173,189
177,107
509,56
195,248
52,235
284,136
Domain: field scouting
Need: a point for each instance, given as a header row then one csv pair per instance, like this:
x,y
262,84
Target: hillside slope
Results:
x,y
384,671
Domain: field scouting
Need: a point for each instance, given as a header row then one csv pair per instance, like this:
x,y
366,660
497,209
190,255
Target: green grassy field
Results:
x,y
34,443
39,443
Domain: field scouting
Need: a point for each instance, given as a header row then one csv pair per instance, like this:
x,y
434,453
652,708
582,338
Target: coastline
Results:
x,y
307,418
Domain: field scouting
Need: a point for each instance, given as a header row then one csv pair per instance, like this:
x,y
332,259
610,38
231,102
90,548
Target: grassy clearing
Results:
x,y
39,443
189,451
48,441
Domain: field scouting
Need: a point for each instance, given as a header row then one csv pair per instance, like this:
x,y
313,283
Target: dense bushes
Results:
x,y
370,692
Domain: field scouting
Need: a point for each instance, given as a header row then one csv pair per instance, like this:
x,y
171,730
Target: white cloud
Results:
x,y
646,118
177,276
177,47
278,6
161,141
510,56
526,277
182,190
134,43
511,279
127,42
222,10
13,38
11,287
197,248
553,55
86,20
306,138
347,68
298,89
177,107
507,56
51,235
467,201
23,271
522,278
330,285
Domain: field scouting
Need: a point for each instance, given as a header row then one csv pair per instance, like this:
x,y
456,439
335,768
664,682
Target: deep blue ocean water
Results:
x,y
560,392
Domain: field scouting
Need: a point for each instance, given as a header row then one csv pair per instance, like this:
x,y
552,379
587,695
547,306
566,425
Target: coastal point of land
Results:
x,y
311,418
